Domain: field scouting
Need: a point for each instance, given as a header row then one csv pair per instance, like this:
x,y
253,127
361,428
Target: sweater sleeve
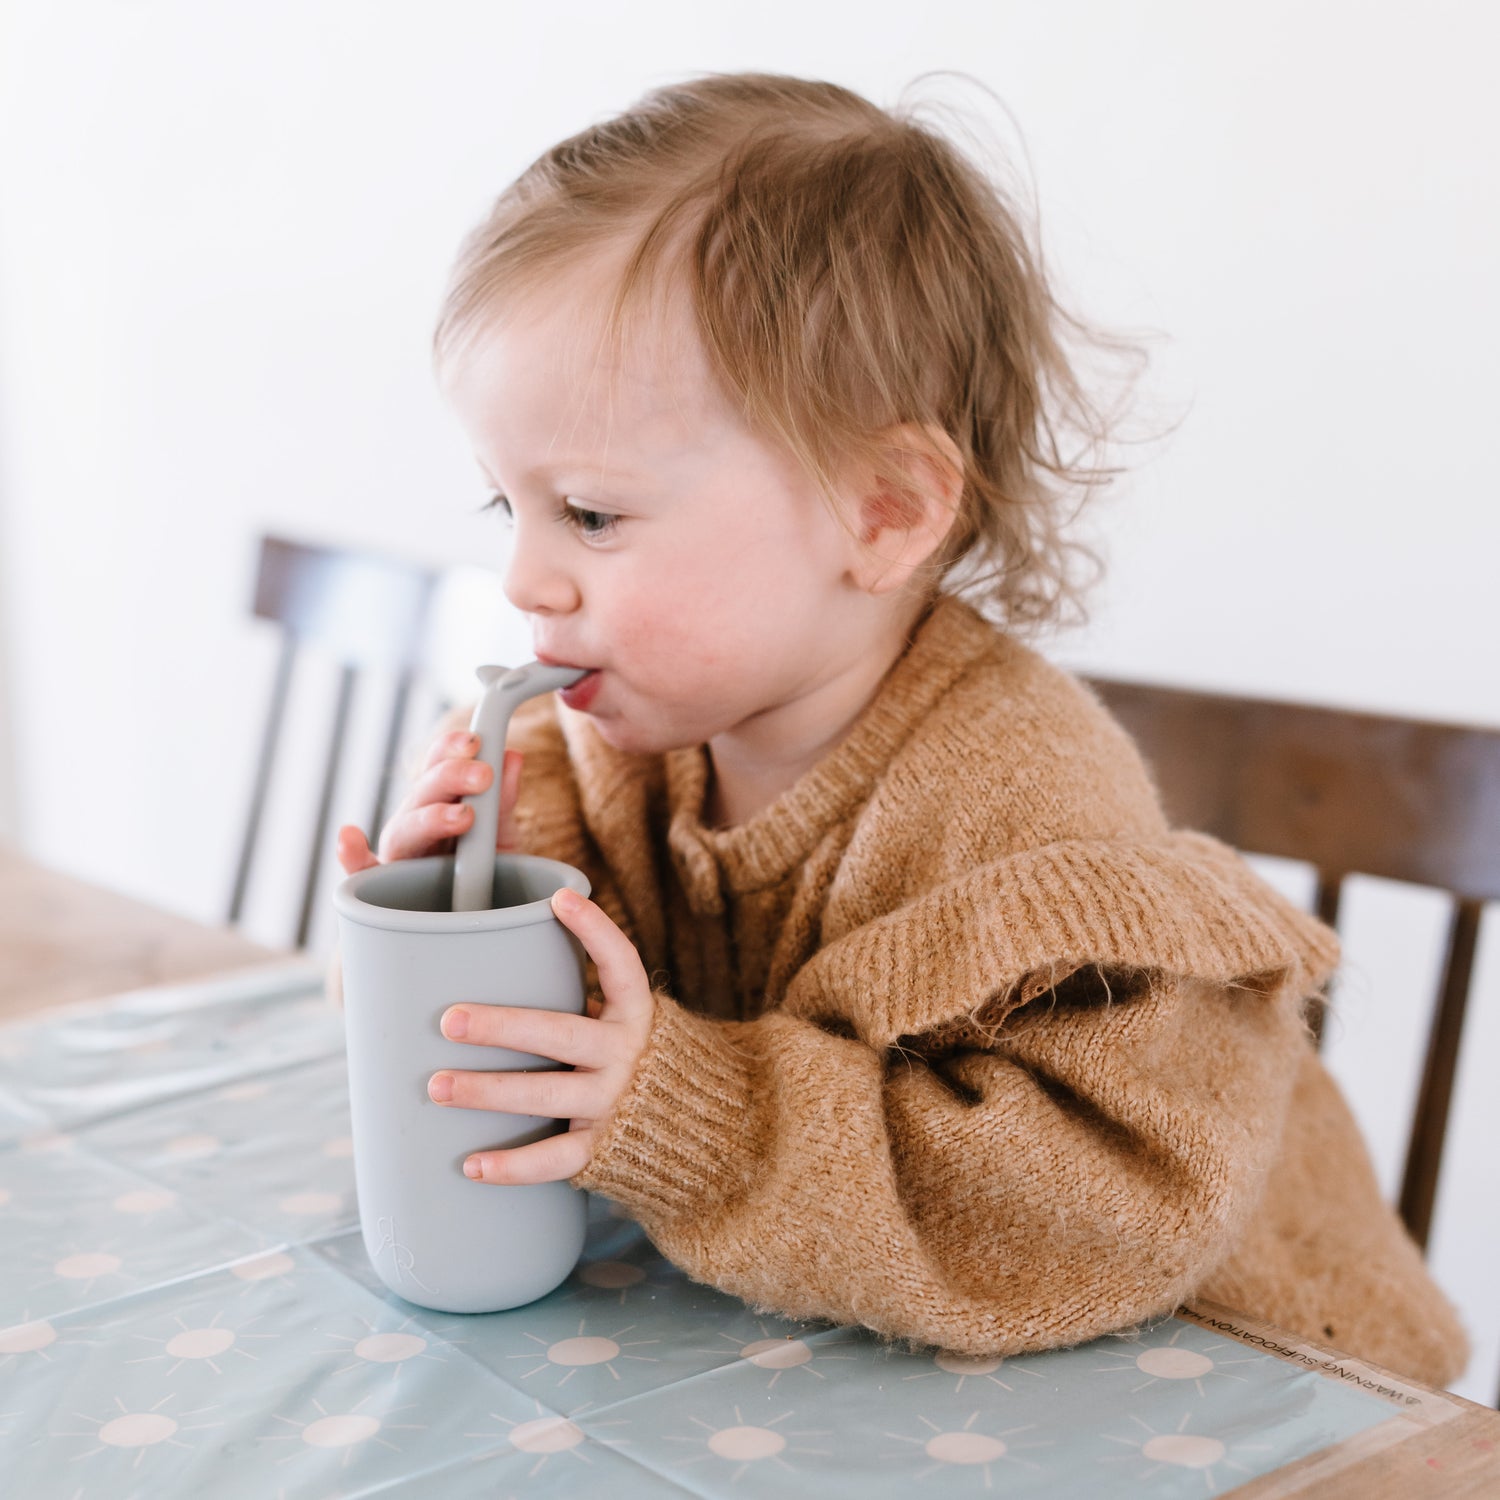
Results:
x,y
1031,1107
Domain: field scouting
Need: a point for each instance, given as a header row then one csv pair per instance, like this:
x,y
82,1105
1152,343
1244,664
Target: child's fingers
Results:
x,y
550,1093
627,991
426,830
564,1038
457,744
447,781
553,1159
433,811
354,852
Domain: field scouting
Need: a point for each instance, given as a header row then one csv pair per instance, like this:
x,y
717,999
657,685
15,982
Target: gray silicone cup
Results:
x,y
433,1236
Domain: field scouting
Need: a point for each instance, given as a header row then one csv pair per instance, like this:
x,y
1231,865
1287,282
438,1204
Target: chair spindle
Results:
x,y
1326,907
392,748
269,740
325,801
1424,1154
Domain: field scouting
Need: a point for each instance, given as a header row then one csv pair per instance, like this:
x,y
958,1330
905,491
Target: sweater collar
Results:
x,y
761,851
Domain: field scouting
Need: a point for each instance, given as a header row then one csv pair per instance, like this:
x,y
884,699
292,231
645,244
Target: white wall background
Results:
x,y
224,235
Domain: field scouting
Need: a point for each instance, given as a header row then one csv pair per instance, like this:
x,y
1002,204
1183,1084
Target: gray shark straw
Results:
x,y
504,691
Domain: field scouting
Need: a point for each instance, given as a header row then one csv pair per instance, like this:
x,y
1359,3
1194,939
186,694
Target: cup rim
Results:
x,y
348,903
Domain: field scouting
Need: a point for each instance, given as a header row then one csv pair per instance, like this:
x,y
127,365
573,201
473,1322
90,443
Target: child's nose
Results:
x,y
536,585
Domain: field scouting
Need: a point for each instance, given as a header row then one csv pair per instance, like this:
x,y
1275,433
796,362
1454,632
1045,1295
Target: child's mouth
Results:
x,y
581,694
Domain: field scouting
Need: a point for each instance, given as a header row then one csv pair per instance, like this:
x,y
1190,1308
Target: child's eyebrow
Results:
x,y
582,468
572,468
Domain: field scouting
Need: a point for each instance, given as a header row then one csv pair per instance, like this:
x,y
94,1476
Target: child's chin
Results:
x,y
619,733
635,739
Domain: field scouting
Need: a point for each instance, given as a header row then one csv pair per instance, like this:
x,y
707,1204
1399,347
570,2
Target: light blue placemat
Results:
x,y
186,1310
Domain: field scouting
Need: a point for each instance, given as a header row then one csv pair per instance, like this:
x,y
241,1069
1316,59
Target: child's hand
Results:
x,y
431,817
603,1048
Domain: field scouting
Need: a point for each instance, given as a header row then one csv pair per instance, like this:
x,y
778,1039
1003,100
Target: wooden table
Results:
x,y
1444,1446
62,940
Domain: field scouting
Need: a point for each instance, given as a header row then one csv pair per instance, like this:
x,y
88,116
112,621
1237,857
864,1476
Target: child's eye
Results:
x,y
591,524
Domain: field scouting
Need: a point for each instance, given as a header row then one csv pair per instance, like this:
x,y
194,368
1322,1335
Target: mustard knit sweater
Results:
x,y
959,1041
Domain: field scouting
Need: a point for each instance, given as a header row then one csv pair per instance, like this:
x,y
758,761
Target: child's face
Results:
x,y
655,537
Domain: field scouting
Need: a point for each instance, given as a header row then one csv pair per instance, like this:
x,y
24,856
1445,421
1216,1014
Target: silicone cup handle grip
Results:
x,y
504,691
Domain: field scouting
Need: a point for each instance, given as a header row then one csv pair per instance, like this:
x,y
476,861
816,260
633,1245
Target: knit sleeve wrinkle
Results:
x,y
975,949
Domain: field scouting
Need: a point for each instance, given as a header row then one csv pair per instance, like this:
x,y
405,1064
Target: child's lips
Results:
x,y
581,693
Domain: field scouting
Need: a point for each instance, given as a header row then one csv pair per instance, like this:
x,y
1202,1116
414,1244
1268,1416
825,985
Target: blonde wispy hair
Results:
x,y
850,269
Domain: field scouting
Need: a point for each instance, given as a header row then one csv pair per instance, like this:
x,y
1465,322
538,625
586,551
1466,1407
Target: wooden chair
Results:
x,y
1344,792
369,612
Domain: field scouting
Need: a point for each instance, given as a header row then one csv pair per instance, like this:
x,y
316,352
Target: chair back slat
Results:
x,y
1399,798
359,607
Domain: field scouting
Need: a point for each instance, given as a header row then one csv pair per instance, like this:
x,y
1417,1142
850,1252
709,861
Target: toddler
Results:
x,y
908,1009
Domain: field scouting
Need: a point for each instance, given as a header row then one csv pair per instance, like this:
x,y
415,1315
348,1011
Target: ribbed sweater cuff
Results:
x,y
670,1146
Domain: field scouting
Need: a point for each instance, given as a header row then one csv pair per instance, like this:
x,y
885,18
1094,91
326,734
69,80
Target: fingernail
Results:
x,y
472,1168
455,813
456,1024
440,1088
567,899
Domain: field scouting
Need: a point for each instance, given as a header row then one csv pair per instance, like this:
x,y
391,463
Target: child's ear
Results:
x,y
902,521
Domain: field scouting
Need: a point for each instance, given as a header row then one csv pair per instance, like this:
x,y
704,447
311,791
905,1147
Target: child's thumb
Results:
x,y
354,852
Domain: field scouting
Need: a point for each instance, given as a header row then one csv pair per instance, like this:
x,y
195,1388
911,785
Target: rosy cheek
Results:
x,y
634,630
